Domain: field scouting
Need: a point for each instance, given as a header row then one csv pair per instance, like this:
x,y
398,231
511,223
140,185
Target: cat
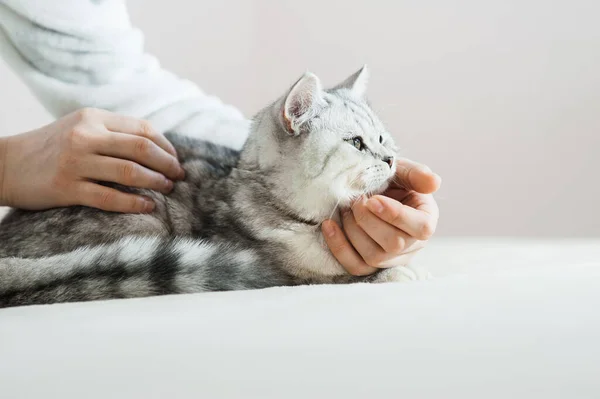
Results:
x,y
240,220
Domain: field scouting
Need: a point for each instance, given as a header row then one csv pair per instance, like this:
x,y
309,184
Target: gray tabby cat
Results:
x,y
240,220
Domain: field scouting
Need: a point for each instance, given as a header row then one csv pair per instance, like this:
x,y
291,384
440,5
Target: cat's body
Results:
x,y
238,221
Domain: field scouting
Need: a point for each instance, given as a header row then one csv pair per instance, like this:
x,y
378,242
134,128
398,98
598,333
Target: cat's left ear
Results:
x,y
357,82
302,103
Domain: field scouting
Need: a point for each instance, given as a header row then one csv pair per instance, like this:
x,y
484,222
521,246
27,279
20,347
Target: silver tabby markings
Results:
x,y
240,220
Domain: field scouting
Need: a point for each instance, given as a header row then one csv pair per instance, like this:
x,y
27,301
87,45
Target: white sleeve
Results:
x,y
85,53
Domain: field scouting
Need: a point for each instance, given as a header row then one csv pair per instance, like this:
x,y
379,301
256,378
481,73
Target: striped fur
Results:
x,y
240,220
132,267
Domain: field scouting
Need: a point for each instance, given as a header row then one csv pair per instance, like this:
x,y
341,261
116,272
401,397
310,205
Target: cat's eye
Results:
x,y
380,139
358,143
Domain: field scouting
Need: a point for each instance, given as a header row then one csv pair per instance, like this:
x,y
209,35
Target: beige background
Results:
x,y
502,98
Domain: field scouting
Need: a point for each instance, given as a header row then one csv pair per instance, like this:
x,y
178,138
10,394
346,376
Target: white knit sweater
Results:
x,y
85,53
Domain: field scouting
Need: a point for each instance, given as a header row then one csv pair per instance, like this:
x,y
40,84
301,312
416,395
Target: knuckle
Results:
x,y
128,172
397,244
87,114
142,146
146,129
78,133
106,198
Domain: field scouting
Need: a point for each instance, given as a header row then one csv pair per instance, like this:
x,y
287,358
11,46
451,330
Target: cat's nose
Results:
x,y
389,161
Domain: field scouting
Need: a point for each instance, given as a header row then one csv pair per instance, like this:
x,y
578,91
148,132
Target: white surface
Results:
x,y
522,322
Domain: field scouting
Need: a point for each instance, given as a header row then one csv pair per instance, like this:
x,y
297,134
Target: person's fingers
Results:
x,y
124,124
417,177
108,199
124,172
371,252
422,202
138,127
343,251
390,237
399,194
419,223
140,150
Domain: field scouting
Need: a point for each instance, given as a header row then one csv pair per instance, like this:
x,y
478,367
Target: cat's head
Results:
x,y
319,148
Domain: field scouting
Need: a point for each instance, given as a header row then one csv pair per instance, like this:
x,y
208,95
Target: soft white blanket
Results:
x,y
506,318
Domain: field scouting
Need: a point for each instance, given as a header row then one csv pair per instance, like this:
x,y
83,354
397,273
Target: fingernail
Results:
x,y
181,174
328,228
168,184
375,205
147,205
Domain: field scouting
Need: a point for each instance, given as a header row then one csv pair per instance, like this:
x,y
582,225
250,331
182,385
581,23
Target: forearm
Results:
x,y
76,53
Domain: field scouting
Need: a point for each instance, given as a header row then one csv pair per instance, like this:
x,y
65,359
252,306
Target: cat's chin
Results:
x,y
349,198
375,189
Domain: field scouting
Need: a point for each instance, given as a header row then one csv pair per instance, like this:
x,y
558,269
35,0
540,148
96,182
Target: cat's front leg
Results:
x,y
401,274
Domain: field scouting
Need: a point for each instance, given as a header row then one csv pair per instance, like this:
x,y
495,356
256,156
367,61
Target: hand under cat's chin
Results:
x,y
387,230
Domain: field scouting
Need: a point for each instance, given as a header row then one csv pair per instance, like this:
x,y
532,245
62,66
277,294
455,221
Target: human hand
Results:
x,y
387,230
61,163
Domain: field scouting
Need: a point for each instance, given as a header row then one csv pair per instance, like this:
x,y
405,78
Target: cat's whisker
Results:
x,y
354,180
335,208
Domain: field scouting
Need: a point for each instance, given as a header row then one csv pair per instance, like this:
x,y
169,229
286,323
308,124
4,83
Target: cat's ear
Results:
x,y
304,100
357,82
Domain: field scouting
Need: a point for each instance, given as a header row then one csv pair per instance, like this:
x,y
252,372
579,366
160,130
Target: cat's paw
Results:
x,y
401,274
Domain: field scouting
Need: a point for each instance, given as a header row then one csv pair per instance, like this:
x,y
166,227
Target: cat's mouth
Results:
x,y
372,180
